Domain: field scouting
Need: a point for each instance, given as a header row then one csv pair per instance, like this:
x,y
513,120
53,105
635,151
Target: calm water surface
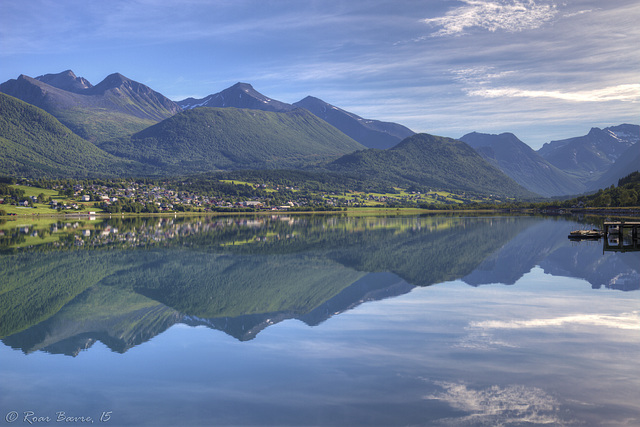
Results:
x,y
314,321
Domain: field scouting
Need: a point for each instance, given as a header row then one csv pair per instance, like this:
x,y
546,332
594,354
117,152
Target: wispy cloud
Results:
x,y
493,15
479,75
625,93
579,12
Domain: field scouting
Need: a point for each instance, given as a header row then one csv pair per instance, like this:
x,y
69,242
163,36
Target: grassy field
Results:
x,y
35,191
44,208
250,184
431,197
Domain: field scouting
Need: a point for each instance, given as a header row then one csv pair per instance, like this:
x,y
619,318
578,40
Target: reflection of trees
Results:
x,y
212,285
229,267
117,317
13,238
34,286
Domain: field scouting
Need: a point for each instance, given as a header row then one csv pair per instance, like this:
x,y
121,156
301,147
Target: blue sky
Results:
x,y
542,69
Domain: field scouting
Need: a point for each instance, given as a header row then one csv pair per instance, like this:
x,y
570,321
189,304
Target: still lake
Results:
x,y
317,320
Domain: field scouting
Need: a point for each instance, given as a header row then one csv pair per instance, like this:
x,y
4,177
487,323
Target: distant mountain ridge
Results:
x,y
523,165
565,167
370,133
588,157
626,164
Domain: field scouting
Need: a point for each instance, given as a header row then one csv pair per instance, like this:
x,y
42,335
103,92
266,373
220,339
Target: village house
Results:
x,y
252,204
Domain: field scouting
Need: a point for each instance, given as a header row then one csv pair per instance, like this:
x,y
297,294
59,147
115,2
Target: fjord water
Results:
x,y
317,320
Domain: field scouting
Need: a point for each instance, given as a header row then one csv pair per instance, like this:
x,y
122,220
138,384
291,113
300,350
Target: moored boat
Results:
x,y
586,234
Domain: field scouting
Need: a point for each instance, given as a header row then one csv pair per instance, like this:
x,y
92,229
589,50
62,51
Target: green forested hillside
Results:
x,y
429,161
209,139
627,193
35,144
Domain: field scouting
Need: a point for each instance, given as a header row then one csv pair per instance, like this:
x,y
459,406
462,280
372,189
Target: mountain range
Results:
x,y
571,166
122,127
116,107
588,156
523,165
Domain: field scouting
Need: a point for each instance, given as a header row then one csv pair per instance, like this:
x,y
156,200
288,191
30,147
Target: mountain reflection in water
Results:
x,y
124,281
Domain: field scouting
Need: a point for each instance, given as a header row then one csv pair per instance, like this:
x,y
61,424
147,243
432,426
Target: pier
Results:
x,y
615,233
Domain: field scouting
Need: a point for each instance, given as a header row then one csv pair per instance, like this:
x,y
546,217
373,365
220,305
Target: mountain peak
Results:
x,y
114,80
594,131
504,141
243,86
240,95
66,80
310,98
117,81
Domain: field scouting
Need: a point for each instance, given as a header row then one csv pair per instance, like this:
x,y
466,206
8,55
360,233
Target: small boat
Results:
x,y
586,234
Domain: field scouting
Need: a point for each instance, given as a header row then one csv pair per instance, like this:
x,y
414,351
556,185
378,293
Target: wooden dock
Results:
x,y
615,233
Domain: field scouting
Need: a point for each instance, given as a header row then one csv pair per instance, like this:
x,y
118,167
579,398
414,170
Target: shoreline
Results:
x,y
600,211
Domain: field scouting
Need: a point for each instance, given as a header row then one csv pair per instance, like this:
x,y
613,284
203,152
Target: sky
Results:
x,y
542,69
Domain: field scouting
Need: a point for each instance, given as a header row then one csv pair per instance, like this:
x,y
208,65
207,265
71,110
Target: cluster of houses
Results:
x,y
164,199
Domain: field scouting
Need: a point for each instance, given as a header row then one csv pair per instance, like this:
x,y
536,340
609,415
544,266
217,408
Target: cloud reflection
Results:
x,y
629,321
498,406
